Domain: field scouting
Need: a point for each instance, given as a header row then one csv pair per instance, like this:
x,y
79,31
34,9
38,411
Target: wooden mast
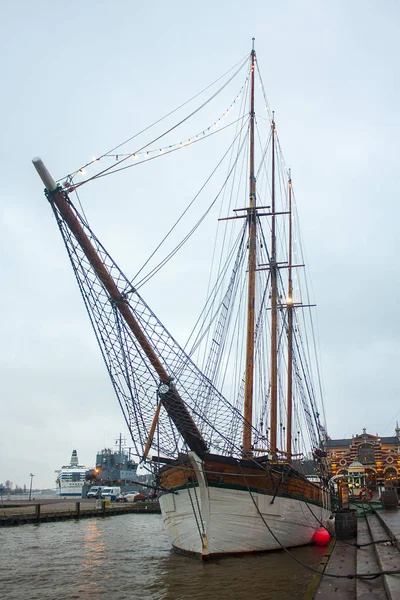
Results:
x,y
248,390
171,400
274,309
289,309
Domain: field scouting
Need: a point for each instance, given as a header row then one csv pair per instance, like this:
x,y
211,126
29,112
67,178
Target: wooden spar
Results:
x,y
171,400
289,309
274,310
152,430
248,389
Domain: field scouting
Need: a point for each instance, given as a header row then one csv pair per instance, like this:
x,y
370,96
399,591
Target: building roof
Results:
x,y
347,442
356,465
390,440
337,443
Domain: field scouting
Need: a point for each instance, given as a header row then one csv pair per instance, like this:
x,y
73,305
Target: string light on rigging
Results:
x,y
162,150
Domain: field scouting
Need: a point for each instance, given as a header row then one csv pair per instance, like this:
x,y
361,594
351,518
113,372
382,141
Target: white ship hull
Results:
x,y
216,521
71,478
71,489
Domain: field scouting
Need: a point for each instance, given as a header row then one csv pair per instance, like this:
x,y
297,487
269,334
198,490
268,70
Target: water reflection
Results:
x,y
272,575
92,558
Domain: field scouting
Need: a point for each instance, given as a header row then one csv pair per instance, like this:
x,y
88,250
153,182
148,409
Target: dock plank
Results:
x,y
367,562
341,562
388,556
59,510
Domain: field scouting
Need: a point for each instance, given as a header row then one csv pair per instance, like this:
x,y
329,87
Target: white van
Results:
x,y
110,492
95,491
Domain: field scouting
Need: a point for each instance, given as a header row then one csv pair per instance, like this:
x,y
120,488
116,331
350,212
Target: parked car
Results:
x,y
127,497
139,498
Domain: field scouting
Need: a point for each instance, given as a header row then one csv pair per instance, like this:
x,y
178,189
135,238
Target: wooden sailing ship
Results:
x,y
228,484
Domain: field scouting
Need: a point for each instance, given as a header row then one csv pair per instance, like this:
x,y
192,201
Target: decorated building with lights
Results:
x,y
378,457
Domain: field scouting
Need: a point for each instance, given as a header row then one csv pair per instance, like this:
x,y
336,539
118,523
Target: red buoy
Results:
x,y
321,537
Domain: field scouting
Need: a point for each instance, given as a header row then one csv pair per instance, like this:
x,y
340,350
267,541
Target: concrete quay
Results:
x,y
375,550
41,511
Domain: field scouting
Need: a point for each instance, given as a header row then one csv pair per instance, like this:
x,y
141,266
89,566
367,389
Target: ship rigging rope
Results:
x,y
364,576
207,310
103,328
307,355
111,169
182,142
283,162
205,419
304,370
317,358
151,273
150,158
212,296
391,540
263,90
194,512
242,62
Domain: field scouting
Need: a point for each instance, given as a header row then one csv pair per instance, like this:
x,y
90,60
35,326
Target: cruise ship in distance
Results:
x,y
70,478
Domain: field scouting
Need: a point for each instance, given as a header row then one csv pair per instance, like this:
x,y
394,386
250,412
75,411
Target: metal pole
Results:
x,y
31,475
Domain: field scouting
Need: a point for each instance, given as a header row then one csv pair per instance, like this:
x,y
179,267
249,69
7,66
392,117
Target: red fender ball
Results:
x,y
321,537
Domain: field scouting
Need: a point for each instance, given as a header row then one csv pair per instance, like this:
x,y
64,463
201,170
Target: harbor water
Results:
x,y
129,557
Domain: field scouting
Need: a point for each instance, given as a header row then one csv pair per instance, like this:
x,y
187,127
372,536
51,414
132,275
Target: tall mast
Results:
x,y
274,308
289,309
248,390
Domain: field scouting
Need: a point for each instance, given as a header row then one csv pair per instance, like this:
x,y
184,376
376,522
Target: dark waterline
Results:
x,y
129,557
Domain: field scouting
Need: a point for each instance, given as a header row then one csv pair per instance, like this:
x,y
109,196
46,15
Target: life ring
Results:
x,y
365,494
343,462
389,460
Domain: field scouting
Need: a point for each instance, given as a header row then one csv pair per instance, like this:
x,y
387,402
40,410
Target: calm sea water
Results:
x,y
129,557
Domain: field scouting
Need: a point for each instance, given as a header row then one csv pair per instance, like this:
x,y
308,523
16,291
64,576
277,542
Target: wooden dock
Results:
x,y
376,549
43,511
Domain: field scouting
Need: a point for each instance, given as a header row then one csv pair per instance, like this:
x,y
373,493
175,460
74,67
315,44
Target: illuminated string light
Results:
x,y
147,154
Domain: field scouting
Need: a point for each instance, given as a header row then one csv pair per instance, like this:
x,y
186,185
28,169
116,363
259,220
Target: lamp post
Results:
x,y
31,475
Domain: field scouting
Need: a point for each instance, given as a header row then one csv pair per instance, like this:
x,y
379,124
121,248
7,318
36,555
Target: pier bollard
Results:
x,y
37,512
390,499
78,509
103,507
345,524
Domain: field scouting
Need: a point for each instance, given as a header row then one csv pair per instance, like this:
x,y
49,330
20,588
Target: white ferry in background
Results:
x,y
71,478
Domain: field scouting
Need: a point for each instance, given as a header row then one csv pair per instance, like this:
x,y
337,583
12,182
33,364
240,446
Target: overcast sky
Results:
x,y
77,78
